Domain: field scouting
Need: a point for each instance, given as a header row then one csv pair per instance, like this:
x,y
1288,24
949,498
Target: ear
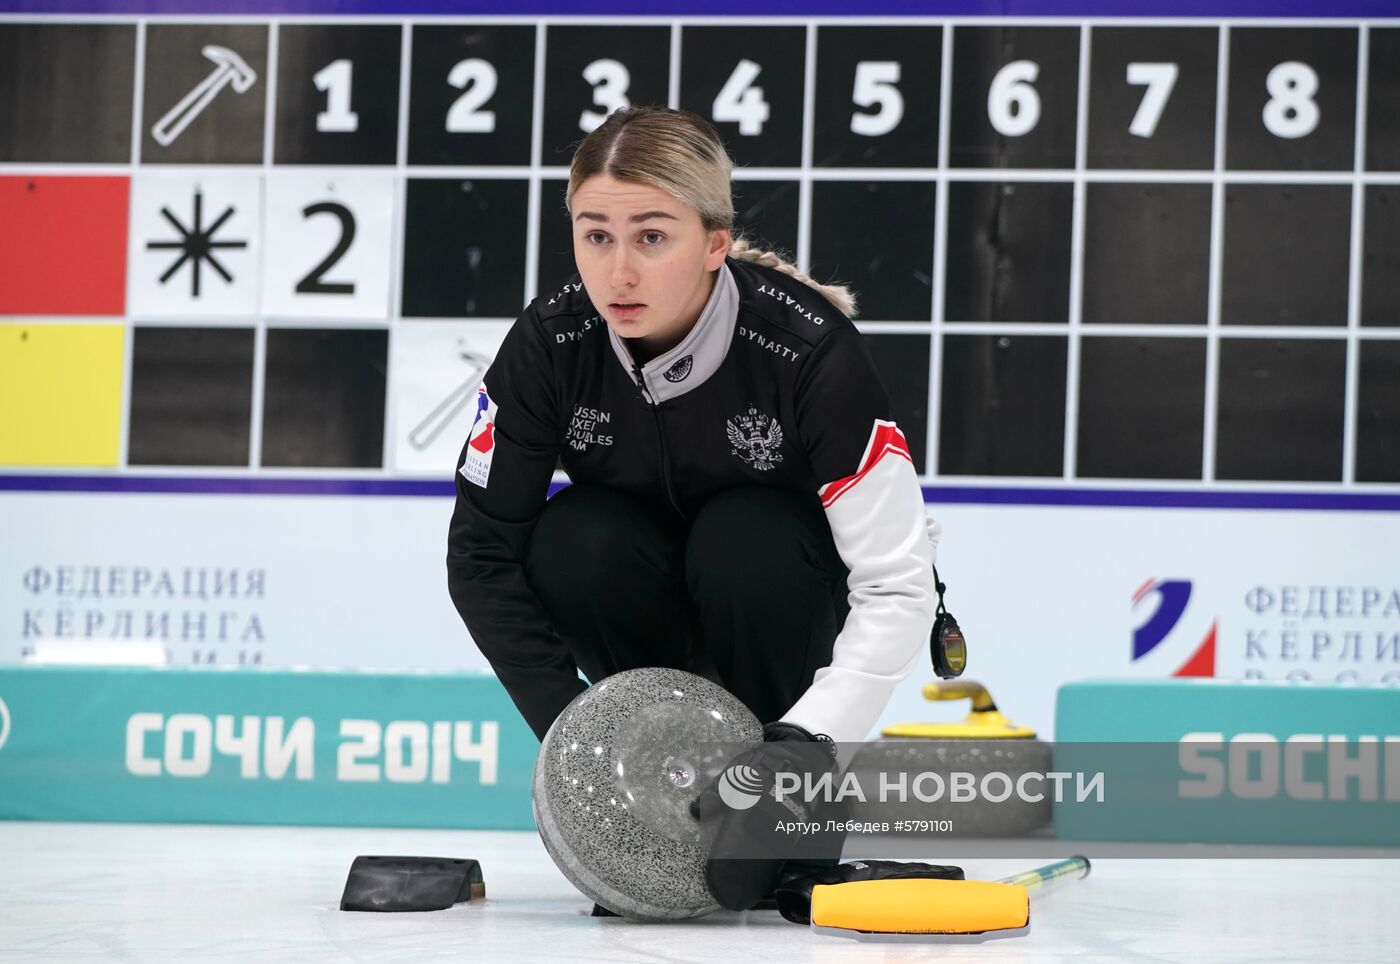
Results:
x,y
718,249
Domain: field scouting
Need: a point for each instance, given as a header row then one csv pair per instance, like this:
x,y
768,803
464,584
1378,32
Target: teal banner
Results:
x,y
259,746
1210,761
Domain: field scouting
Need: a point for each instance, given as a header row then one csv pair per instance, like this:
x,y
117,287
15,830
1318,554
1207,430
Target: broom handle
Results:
x,y
1073,867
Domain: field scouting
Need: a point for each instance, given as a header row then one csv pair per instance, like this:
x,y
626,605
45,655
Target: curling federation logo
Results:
x,y
481,443
678,371
740,786
4,723
756,438
1161,623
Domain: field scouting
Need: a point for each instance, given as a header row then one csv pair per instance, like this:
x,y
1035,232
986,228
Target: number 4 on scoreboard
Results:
x,y
740,102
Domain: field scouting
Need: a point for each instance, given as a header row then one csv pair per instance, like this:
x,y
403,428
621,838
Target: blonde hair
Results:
x,y
682,154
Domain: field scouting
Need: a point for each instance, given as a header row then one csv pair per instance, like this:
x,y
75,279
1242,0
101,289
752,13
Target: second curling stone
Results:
x,y
982,743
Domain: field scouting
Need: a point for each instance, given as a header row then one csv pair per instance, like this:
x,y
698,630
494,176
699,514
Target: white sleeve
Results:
x,y
886,539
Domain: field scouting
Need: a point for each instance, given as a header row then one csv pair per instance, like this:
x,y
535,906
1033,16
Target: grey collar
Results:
x,y
699,354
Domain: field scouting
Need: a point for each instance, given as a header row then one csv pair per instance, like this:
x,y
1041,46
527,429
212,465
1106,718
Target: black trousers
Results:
x,y
750,593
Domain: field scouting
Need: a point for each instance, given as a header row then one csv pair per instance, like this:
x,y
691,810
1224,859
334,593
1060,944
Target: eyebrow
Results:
x,y
636,218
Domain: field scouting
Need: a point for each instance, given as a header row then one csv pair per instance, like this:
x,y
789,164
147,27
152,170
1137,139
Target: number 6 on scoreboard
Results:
x,y
1160,79
1013,105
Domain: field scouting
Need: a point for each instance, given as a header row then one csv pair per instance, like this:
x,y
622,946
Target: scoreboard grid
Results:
x,y
894,339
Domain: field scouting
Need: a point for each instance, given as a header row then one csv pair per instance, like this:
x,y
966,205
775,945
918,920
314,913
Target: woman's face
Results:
x,y
646,260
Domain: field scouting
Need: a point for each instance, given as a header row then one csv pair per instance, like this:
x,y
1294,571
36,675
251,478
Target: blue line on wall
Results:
x,y
933,494
1271,9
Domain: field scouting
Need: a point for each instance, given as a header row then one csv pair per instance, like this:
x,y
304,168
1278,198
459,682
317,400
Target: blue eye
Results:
x,y
653,237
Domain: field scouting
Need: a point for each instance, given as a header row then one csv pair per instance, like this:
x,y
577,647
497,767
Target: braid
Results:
x,y
839,295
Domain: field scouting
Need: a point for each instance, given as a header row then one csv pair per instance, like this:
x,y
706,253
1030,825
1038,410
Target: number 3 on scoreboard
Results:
x,y
609,80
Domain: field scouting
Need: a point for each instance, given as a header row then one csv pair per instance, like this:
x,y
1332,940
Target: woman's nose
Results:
x,y
623,272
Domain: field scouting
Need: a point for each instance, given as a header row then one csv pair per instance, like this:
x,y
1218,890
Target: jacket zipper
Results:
x,y
660,438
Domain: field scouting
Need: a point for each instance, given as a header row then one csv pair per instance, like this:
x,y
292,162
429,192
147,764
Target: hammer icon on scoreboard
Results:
x,y
230,69
448,409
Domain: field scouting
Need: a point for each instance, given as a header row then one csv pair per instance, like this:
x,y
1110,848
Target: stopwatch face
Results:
x,y
948,647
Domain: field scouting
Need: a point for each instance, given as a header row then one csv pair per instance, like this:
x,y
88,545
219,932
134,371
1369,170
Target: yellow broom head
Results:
x,y
921,906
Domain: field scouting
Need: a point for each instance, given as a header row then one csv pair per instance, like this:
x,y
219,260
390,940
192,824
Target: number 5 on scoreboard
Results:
x,y
1159,80
875,86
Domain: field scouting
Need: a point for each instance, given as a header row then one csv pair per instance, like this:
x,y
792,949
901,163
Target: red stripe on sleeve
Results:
x,y
885,439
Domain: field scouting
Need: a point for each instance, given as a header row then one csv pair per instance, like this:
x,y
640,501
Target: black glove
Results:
x,y
794,890
747,854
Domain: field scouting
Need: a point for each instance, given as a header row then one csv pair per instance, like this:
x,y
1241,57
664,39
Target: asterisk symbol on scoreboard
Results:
x,y
196,244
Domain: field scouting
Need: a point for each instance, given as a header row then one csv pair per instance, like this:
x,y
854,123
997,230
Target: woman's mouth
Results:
x,y
626,309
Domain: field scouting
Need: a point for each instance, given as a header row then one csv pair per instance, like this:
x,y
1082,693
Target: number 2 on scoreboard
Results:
x,y
313,284
477,80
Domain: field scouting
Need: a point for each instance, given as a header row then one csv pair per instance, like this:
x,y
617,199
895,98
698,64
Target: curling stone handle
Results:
x,y
961,689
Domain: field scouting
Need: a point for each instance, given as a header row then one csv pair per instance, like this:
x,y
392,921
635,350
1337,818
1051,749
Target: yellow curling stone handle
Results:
x,y
984,722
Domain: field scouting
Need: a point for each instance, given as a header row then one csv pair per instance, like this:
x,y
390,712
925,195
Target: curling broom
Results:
x,y
959,910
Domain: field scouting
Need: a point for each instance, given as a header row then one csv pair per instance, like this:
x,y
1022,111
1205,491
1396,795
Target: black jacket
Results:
x,y
773,386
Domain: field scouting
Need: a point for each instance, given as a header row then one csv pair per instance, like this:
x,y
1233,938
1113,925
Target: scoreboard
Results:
x,y
1085,250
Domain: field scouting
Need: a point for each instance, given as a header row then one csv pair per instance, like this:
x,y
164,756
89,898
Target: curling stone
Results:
x,y
982,743
614,781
